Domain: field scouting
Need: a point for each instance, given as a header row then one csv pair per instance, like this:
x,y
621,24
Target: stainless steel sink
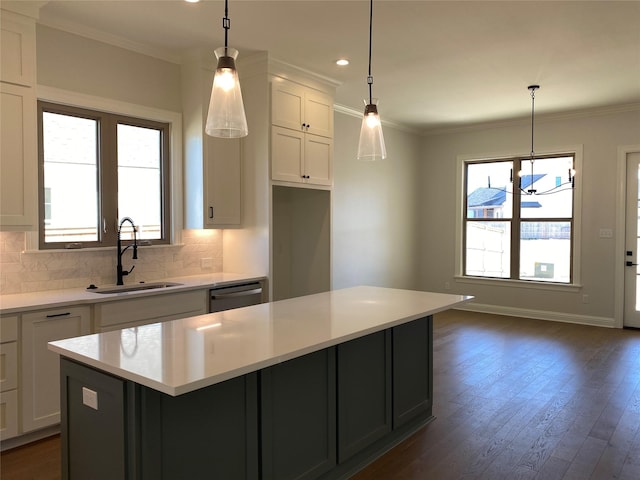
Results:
x,y
134,288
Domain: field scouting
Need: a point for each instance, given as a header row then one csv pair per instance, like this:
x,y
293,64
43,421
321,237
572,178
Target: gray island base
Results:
x,y
323,415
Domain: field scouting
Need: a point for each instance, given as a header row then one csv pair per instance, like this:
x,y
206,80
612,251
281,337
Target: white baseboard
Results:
x,y
540,315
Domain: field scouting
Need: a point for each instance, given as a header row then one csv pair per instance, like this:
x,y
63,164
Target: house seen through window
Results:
x,y
97,168
518,221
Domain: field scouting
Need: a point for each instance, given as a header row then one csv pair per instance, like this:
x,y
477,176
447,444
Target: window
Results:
x,y
97,168
519,227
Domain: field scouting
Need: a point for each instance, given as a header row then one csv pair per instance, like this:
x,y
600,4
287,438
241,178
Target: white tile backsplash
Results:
x,y
22,271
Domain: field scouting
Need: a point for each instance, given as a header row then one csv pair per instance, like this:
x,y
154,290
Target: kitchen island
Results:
x,y
310,387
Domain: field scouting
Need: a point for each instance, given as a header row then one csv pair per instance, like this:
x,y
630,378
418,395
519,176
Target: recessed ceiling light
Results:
x,y
192,1
342,62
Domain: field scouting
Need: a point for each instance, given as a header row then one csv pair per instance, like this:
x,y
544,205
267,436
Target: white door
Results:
x,y
632,244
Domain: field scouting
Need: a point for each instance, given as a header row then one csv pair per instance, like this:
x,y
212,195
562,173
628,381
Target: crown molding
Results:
x,y
548,117
110,39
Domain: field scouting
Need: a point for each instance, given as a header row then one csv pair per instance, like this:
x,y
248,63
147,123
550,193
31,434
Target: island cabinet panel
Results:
x,y
95,434
298,417
364,392
209,433
412,370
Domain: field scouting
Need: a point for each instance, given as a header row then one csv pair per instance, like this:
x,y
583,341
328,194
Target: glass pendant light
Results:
x,y
371,145
226,117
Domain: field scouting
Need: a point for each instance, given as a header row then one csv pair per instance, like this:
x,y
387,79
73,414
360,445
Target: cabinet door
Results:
x,y
18,157
299,417
8,414
93,435
209,433
223,180
8,366
364,392
287,150
318,160
18,50
318,114
287,104
412,370
41,367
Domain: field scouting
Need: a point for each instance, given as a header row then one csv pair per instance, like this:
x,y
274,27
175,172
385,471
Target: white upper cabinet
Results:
x,y
301,134
298,157
18,50
223,180
300,108
213,166
18,124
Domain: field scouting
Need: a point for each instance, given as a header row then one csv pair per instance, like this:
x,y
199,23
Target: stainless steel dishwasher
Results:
x,y
235,296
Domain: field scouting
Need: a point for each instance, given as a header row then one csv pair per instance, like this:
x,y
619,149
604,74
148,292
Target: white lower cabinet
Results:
x,y
8,377
8,414
139,311
41,367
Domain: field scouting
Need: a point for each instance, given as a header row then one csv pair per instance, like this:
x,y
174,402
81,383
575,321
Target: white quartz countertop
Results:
x,y
20,302
184,355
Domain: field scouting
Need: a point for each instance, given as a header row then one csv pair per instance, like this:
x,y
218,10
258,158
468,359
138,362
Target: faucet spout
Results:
x,y
120,271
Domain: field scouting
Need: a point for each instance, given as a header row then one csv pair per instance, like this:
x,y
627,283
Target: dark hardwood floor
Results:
x,y
525,399
37,461
514,399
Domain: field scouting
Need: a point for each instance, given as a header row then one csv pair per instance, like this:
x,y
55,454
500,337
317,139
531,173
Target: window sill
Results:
x,y
507,282
97,249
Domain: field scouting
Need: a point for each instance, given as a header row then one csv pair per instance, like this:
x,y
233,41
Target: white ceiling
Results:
x,y
436,64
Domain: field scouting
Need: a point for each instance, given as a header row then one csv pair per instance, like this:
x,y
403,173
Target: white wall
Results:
x,y
375,210
600,135
83,65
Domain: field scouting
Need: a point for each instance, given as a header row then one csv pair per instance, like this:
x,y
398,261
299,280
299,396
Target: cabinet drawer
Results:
x,y
138,311
8,414
8,366
9,329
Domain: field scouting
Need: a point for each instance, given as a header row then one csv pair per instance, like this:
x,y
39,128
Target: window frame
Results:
x,y
107,174
461,203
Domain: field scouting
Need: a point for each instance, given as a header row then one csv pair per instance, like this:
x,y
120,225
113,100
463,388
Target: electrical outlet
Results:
x,y
585,298
206,262
447,286
90,398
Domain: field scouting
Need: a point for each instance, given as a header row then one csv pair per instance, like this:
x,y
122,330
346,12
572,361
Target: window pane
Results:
x,y
554,195
545,251
488,249
487,187
70,174
140,178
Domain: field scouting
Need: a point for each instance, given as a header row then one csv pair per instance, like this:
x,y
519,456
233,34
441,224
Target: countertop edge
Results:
x,y
252,367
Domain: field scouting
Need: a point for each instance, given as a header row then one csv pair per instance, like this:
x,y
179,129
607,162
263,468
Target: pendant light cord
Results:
x,y
226,23
533,99
370,77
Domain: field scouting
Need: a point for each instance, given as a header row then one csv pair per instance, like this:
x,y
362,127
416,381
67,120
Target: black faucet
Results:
x,y
119,271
